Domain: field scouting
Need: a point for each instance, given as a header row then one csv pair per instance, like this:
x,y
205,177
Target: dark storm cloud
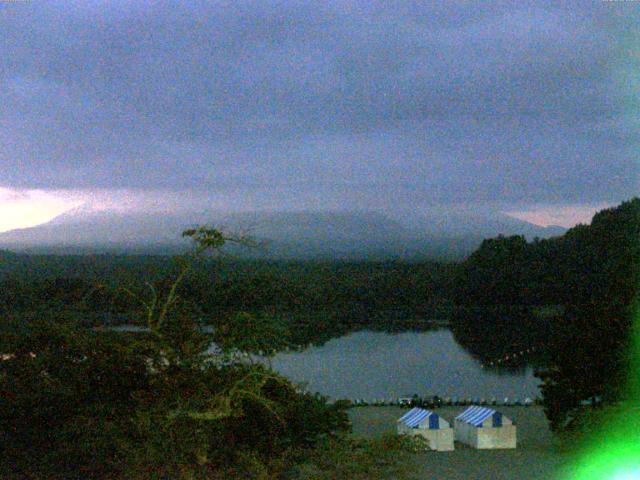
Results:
x,y
427,103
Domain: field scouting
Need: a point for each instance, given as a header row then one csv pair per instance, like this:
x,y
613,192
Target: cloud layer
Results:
x,y
316,104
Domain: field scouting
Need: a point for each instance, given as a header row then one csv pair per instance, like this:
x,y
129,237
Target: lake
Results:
x,y
377,365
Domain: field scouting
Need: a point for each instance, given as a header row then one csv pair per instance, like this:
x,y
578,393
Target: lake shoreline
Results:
x,y
381,366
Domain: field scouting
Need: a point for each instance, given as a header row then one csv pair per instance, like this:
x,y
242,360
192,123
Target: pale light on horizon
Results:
x,y
561,215
29,208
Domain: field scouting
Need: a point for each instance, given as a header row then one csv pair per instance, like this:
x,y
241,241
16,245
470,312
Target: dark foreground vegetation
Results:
x,y
79,401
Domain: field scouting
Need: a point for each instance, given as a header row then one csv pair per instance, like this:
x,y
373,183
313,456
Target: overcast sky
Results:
x,y
323,104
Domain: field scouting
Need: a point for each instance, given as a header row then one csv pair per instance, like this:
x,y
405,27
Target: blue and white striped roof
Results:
x,y
476,415
415,416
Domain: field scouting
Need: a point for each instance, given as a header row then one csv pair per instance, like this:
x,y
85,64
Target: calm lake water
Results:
x,y
376,365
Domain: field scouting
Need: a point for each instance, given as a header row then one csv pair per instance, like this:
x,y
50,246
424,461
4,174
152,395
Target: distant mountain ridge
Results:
x,y
297,234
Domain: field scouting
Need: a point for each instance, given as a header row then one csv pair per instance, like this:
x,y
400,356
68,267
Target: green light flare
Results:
x,y
617,462
613,451
607,458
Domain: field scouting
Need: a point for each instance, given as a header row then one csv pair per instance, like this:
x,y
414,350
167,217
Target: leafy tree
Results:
x,y
79,403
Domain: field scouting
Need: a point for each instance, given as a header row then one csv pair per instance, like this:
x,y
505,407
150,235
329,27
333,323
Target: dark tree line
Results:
x,y
316,300
592,272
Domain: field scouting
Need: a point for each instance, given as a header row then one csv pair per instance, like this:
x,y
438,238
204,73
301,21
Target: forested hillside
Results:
x,y
592,272
319,300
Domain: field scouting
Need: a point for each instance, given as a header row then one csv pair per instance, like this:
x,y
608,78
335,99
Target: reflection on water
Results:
x,y
377,365
504,338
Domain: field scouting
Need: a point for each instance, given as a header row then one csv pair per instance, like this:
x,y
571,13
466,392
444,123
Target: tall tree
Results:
x,y
78,403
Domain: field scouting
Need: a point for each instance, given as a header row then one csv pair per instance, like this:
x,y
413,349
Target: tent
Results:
x,y
429,425
482,427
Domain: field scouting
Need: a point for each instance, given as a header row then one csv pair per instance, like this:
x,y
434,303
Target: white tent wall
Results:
x,y
466,433
439,439
486,436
